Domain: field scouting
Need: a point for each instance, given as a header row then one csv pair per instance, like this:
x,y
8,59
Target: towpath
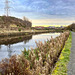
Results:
x,y
71,65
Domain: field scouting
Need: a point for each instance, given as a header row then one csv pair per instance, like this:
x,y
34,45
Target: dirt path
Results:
x,y
71,65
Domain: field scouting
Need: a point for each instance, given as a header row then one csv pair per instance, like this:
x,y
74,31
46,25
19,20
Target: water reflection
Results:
x,y
12,40
0,46
14,45
8,44
9,50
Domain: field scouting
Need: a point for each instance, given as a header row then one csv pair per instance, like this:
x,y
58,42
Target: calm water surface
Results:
x,y
15,47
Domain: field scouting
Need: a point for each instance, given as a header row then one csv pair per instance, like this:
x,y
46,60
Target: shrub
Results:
x,y
17,25
19,29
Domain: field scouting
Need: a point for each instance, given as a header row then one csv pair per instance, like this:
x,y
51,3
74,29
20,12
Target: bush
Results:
x,y
17,25
19,29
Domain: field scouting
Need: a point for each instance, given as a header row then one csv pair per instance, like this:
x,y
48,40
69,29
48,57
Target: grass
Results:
x,y
13,25
61,65
43,57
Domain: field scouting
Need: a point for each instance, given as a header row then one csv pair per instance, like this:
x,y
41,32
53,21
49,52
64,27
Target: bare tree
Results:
x,y
25,19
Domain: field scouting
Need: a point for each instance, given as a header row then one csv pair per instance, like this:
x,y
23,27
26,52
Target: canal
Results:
x,y
15,45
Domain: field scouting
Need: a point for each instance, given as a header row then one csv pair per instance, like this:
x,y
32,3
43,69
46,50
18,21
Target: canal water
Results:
x,y
15,45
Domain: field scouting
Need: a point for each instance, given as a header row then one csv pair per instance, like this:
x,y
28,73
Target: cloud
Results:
x,y
41,9
57,7
50,21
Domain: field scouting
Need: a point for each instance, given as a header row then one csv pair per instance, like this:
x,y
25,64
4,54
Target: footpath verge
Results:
x,y
61,65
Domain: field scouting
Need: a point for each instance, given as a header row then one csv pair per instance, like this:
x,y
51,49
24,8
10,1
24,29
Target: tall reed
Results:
x,y
15,66
38,61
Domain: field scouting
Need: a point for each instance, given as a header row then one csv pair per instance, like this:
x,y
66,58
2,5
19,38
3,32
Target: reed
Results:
x,y
43,58
38,61
15,66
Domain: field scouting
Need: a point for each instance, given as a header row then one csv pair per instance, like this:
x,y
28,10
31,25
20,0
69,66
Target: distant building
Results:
x,y
39,27
52,27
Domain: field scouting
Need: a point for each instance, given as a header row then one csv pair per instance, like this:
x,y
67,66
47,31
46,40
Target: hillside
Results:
x,y
12,22
71,27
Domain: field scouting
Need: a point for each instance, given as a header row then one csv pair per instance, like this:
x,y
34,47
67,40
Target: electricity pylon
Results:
x,y
7,7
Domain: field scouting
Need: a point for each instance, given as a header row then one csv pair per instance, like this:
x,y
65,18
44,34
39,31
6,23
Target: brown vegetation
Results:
x,y
71,27
5,22
43,58
39,61
15,66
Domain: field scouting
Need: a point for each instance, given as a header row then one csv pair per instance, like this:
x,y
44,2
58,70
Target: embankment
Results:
x,y
62,63
14,39
27,32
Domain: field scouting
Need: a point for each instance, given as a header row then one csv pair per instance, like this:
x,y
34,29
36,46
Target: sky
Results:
x,y
42,12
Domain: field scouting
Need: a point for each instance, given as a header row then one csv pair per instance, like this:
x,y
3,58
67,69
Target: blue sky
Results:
x,y
42,12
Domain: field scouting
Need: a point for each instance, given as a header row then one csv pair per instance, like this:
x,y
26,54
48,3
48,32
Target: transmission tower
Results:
x,y
7,7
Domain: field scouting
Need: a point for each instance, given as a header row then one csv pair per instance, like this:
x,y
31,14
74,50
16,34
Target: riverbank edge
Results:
x,y
61,65
26,54
52,49
6,34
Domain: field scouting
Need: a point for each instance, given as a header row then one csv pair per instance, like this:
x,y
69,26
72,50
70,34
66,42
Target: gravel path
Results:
x,y
71,65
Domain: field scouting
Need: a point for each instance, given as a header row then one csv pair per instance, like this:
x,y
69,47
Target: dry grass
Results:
x,y
43,58
15,66
39,61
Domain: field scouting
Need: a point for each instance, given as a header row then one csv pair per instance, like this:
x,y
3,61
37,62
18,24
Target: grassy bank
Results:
x,y
24,32
21,33
61,65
